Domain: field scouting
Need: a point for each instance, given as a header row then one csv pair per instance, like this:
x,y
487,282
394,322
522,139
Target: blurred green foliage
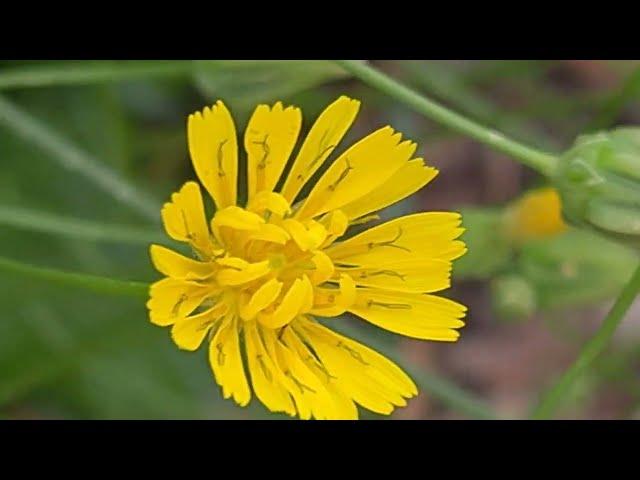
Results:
x,y
66,353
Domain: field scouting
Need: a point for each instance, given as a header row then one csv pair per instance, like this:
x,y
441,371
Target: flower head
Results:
x,y
262,273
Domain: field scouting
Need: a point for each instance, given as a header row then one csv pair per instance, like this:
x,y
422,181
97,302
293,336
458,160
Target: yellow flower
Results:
x,y
262,273
537,214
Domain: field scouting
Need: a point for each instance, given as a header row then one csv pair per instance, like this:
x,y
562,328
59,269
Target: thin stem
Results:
x,y
591,349
92,283
74,159
543,162
87,72
33,220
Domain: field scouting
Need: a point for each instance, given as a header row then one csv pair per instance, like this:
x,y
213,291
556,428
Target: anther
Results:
x,y
221,355
220,156
267,150
176,308
266,372
355,354
389,243
342,176
391,306
298,383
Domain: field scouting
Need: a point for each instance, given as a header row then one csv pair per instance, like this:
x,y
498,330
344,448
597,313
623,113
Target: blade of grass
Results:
x,y
76,160
32,220
86,72
59,73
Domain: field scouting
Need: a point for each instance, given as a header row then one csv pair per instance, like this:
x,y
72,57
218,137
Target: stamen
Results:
x,y
265,370
391,273
322,149
221,355
342,176
298,383
320,366
355,354
176,308
188,234
390,243
263,163
391,306
221,172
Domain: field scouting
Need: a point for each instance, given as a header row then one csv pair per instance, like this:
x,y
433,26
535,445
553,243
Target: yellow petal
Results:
x,y
269,140
308,235
171,299
370,379
324,267
264,376
410,178
189,332
233,276
269,232
282,370
290,306
214,152
342,407
420,276
269,201
237,218
358,171
184,218
226,362
324,136
174,265
308,392
261,299
335,223
422,235
331,302
427,317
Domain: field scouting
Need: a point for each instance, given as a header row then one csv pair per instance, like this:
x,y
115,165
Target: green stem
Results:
x,y
33,220
591,349
86,72
543,162
92,283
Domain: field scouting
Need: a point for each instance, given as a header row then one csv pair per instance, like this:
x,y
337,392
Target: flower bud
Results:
x,y
599,183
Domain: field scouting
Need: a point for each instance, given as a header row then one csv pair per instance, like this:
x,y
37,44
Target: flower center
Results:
x,y
269,266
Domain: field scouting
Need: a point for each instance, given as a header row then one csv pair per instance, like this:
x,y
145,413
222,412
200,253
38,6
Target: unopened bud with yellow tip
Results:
x,y
535,215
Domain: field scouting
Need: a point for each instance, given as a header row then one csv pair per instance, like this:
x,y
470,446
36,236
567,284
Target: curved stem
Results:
x,y
591,349
88,282
543,162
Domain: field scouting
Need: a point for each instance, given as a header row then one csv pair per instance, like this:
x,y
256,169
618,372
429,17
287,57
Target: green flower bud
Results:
x,y
514,298
599,183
